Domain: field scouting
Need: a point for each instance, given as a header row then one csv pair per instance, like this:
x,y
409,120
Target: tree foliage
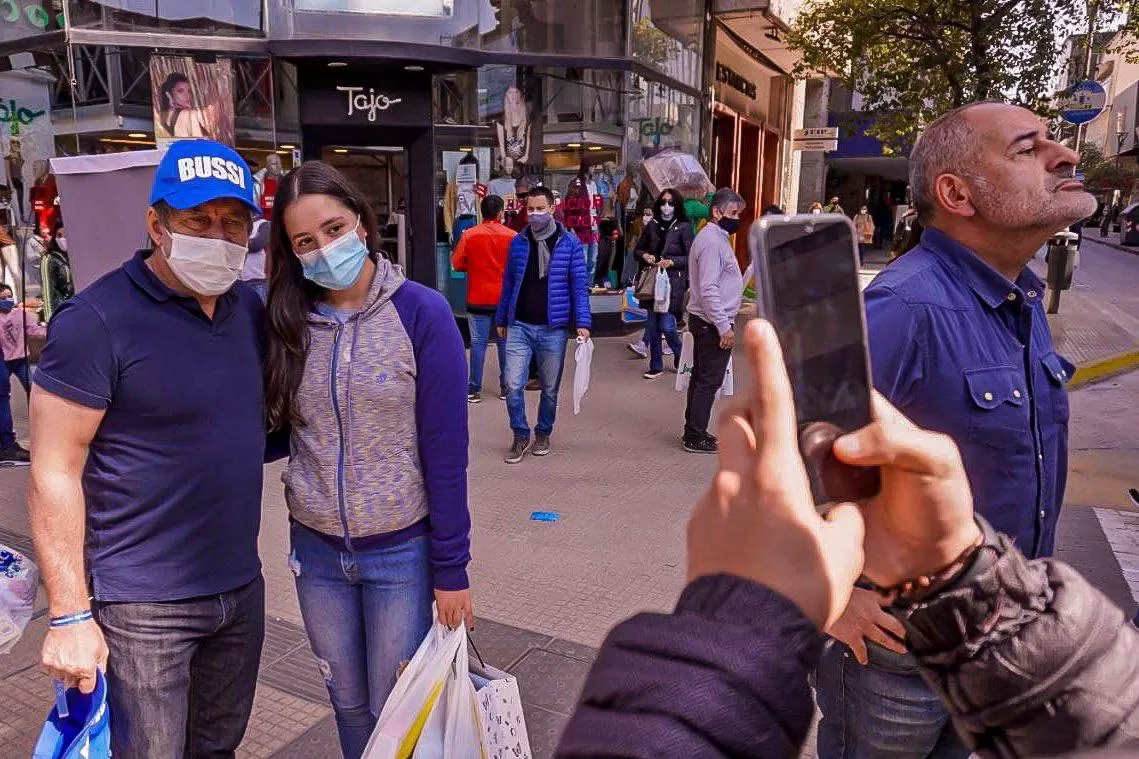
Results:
x,y
912,60
1102,174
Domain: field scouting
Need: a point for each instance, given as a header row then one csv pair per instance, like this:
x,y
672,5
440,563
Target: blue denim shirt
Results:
x,y
960,349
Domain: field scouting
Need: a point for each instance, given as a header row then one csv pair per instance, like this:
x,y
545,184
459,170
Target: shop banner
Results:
x,y
191,99
431,8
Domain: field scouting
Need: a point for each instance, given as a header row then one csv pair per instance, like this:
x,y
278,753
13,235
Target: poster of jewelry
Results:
x,y
191,99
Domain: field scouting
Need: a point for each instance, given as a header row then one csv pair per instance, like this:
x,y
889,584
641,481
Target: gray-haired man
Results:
x,y
716,293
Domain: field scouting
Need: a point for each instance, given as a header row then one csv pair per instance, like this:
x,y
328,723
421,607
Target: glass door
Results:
x,y
381,174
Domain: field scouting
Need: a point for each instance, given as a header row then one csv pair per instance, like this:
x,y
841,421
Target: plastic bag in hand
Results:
x,y
18,581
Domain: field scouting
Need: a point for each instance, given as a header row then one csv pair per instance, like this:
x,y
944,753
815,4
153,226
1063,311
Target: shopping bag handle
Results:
x,y
474,648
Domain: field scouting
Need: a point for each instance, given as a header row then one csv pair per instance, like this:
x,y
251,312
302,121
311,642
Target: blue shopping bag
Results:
x,y
85,733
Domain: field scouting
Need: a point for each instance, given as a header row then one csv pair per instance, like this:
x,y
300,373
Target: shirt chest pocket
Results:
x,y
998,413
1059,372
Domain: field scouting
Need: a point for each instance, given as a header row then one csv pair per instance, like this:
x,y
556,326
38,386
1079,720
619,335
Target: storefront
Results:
x,y
749,121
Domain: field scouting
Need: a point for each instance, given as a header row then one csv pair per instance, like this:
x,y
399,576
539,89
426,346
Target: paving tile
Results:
x,y
573,650
549,680
544,728
502,645
318,741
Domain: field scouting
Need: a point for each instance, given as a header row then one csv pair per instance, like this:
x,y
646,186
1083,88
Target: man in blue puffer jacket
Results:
x,y
545,293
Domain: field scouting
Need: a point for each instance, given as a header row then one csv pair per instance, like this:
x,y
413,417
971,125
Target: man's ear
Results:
x,y
954,195
153,228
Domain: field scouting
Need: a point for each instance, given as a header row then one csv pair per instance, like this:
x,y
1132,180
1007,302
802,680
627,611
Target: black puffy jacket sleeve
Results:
x,y
725,675
1030,659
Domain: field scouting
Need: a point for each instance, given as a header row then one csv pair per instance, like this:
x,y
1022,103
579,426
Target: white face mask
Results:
x,y
204,265
61,243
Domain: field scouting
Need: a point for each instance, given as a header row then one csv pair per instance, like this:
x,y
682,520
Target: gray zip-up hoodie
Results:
x,y
382,453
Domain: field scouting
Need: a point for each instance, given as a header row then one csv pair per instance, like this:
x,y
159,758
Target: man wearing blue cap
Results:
x,y
147,417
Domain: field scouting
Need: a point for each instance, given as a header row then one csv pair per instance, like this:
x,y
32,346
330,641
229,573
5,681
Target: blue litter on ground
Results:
x,y
545,516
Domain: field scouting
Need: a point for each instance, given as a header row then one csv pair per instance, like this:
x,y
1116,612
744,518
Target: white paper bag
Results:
x,y
684,368
662,292
504,733
583,359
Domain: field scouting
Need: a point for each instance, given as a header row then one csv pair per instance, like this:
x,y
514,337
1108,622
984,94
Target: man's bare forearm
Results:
x,y
58,517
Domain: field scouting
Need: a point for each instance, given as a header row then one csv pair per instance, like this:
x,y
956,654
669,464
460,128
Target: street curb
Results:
x,y
1101,369
1118,246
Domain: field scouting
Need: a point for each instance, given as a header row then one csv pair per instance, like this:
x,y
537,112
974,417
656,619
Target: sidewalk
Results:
x,y
546,592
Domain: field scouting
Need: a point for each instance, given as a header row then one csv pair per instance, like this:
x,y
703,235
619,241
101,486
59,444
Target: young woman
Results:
x,y
369,372
665,244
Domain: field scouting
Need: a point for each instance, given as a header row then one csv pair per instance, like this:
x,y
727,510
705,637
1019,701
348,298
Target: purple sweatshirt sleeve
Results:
x,y
441,421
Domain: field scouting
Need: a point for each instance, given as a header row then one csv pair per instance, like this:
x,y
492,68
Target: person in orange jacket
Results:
x,y
481,253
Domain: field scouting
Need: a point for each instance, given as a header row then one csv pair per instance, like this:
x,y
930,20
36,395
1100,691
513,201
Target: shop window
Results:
x,y
668,35
558,27
233,18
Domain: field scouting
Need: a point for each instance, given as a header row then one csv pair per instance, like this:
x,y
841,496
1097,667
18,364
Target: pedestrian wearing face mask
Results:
x,y
545,294
369,371
664,245
864,228
717,287
145,494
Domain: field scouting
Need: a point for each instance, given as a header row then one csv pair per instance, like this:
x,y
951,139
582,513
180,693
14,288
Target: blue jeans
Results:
x,y
482,332
365,612
657,325
590,262
884,710
7,424
181,674
548,346
19,368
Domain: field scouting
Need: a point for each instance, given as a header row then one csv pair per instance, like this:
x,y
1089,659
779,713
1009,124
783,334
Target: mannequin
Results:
x,y
582,210
461,200
513,131
267,180
45,197
15,161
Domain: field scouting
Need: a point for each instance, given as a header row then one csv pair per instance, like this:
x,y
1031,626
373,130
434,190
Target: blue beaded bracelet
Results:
x,y
71,619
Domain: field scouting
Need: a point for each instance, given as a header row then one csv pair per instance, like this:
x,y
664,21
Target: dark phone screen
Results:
x,y
815,305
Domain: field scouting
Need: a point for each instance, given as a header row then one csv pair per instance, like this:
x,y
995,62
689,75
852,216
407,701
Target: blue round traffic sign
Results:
x,y
1082,102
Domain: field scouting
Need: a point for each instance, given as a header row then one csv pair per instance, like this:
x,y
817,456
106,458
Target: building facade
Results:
x,y
427,104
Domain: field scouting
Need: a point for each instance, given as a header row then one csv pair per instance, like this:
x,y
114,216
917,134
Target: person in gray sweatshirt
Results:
x,y
716,286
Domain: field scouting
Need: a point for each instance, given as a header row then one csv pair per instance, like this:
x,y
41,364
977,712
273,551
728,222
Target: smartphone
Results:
x,y
806,268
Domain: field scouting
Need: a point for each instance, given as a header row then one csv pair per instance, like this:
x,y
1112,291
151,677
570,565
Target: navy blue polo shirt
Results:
x,y
173,479
961,349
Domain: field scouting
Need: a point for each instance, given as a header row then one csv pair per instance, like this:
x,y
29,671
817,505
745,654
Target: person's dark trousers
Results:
x,y
7,425
709,364
18,367
181,674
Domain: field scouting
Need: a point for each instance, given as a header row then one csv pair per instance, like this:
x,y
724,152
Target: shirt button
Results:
x,y
1032,293
1042,515
1040,456
1015,393
988,396
1011,296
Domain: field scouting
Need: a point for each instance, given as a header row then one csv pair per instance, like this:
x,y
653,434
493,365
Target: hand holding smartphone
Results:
x,y
807,271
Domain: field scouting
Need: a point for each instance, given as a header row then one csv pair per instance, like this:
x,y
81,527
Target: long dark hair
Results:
x,y
169,114
291,296
680,215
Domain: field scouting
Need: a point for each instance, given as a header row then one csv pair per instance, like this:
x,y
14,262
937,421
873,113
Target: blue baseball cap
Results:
x,y
194,172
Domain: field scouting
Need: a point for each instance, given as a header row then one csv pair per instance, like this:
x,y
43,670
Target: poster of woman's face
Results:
x,y
191,99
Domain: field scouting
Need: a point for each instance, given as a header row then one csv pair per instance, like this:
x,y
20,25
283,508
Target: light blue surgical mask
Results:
x,y
337,265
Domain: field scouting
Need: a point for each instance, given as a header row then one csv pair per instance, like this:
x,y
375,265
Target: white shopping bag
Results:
x,y
504,733
463,732
18,582
729,385
684,368
583,359
419,689
662,292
